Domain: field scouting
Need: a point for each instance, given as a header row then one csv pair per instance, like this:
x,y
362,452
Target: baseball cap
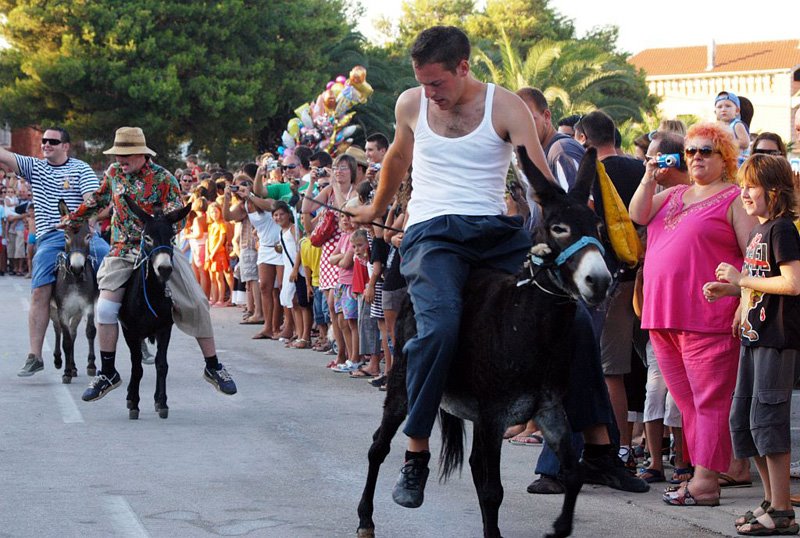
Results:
x,y
729,96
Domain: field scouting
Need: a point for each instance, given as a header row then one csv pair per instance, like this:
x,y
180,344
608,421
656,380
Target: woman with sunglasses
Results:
x,y
689,229
769,144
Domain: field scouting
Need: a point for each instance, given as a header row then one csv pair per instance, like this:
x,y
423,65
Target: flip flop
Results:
x,y
362,374
727,481
651,476
532,439
687,499
261,336
248,321
679,471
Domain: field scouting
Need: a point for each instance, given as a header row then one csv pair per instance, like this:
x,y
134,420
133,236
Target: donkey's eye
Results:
x,y
559,230
148,241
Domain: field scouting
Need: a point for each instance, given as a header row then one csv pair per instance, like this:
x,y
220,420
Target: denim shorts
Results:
x,y
322,315
49,246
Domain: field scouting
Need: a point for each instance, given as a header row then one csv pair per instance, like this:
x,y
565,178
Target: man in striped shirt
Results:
x,y
56,177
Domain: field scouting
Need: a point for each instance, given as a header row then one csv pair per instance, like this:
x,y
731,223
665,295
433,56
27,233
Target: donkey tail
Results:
x,y
451,456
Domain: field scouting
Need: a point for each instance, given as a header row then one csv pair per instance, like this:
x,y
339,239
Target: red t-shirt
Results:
x,y
360,275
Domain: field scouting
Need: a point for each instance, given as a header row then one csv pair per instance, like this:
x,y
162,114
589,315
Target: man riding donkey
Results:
x,y
459,133
149,185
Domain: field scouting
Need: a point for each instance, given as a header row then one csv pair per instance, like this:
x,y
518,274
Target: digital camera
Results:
x,y
376,166
234,188
272,164
669,160
321,172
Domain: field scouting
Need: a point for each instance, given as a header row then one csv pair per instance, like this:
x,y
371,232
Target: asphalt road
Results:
x,y
285,457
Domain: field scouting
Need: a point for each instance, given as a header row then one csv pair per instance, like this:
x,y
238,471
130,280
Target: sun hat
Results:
x,y
358,154
728,96
129,141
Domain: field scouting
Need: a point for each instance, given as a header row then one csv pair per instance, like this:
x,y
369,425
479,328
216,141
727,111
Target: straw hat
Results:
x,y
129,141
358,154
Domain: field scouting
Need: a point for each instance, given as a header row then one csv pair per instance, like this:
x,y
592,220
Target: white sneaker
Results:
x,y
794,469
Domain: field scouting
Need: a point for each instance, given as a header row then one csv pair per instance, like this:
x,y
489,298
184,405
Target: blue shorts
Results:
x,y
322,315
344,303
49,246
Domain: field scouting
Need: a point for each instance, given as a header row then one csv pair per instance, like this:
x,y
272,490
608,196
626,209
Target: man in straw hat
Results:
x,y
135,174
56,177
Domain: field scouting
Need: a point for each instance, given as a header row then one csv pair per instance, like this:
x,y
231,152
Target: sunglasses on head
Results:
x,y
705,152
775,152
51,141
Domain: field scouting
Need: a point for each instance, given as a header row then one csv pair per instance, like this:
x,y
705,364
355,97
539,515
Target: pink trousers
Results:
x,y
700,372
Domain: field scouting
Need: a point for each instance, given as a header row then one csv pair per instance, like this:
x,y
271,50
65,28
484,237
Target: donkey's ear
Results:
x,y
542,187
587,172
63,210
178,215
138,211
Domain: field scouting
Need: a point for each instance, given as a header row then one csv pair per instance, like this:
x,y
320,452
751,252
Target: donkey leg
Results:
x,y
552,420
394,413
70,335
484,461
91,333
57,330
160,397
136,375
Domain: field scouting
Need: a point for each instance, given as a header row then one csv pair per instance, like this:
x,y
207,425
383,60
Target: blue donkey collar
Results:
x,y
584,241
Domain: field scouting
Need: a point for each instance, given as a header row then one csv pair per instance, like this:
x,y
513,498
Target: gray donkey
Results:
x,y
74,295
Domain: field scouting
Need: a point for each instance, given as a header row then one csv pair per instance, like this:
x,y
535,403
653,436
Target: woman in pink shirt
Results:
x,y
689,228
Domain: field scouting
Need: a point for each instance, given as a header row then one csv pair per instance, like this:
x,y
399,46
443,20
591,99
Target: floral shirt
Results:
x,y
149,186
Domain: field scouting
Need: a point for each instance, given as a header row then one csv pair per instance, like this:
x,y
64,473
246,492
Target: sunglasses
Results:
x,y
51,141
705,152
288,166
775,152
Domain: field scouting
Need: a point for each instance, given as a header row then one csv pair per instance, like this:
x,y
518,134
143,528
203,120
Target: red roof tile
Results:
x,y
734,57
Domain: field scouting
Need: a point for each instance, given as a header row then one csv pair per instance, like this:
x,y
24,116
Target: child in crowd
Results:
x,y
727,108
288,248
368,335
196,231
770,333
30,233
345,305
310,258
217,262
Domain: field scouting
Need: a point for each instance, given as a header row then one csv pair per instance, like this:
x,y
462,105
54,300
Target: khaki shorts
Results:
x,y
189,304
616,340
16,245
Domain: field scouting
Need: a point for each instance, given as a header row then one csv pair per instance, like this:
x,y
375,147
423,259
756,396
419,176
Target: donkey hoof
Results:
x,y
72,373
91,371
133,414
57,363
366,533
66,379
162,410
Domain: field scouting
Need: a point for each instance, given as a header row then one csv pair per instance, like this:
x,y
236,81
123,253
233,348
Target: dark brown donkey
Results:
x,y
513,353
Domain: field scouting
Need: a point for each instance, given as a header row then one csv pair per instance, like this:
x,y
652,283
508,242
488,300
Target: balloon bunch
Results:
x,y
323,124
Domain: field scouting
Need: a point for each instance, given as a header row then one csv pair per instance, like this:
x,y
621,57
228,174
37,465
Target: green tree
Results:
x,y
575,76
214,73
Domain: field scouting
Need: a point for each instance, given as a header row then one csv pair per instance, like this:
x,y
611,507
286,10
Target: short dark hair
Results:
x,y
379,139
535,97
323,158
445,45
303,153
569,121
280,205
251,169
617,138
64,134
670,142
598,128
191,159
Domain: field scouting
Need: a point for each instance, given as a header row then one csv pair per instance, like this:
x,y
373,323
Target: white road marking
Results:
x,y
69,411
123,518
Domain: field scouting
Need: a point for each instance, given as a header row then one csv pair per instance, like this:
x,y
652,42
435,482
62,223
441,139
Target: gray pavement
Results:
x,y
285,457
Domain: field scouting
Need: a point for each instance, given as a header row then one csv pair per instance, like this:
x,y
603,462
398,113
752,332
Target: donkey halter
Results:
x,y
535,264
141,262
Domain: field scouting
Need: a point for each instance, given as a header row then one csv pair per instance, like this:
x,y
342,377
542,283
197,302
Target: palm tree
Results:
x,y
575,76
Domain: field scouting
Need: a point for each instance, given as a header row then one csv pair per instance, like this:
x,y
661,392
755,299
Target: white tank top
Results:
x,y
458,176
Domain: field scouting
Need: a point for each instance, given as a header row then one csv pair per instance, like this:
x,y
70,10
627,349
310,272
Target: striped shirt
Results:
x,y
49,184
